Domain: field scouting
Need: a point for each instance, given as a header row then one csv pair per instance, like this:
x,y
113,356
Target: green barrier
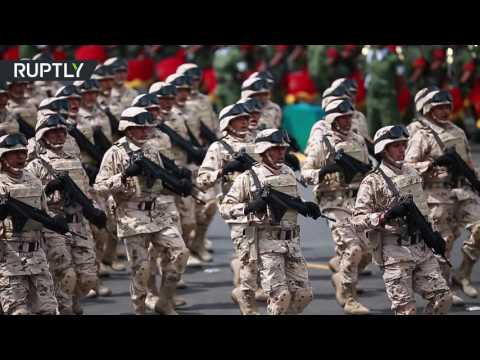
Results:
x,y
298,120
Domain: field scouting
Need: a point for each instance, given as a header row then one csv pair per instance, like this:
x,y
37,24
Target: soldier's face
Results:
x,y
262,97
138,133
396,150
120,77
254,118
182,95
442,112
154,111
275,156
106,84
56,136
166,104
89,98
344,123
240,125
73,105
3,100
14,160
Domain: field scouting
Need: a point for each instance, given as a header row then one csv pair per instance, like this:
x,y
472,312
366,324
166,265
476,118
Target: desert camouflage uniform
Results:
x,y
274,247
407,266
139,227
336,198
453,205
26,285
121,98
271,116
25,109
71,260
8,123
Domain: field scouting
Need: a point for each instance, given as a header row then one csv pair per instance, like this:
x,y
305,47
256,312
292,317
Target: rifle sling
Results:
x,y
435,135
228,148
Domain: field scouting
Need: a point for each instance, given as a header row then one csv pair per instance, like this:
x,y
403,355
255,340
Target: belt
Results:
x,y
23,246
281,234
142,205
402,240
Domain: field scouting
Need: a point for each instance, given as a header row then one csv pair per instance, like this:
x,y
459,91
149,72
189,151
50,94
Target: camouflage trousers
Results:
x,y
243,248
168,245
450,215
421,275
204,215
284,279
350,247
72,264
186,209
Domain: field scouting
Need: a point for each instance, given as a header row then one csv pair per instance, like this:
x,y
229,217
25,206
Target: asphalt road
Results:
x,y
209,288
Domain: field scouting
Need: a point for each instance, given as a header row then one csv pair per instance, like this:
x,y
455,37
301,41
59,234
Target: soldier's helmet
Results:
x,y
252,105
12,142
263,75
116,64
253,86
231,112
135,116
55,104
191,70
388,135
146,101
350,84
163,90
334,93
269,138
103,72
436,98
47,121
180,81
419,99
41,56
68,92
85,86
336,109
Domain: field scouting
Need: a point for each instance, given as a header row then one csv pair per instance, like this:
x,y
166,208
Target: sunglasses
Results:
x,y
59,105
143,118
167,91
278,137
68,91
252,105
182,81
104,71
194,73
90,85
344,107
442,96
395,132
260,84
147,100
13,140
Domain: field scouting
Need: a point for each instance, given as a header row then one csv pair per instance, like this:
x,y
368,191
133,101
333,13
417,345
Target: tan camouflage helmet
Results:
x,y
48,120
163,90
146,101
12,142
116,64
135,116
436,98
334,93
231,112
191,70
180,81
69,92
84,86
253,86
388,135
55,104
103,72
336,109
269,138
419,99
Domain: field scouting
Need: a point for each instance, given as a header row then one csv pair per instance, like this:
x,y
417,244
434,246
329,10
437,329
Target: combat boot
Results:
x,y
104,290
179,301
194,261
119,265
208,245
462,277
339,289
76,307
457,300
92,294
204,255
352,305
181,284
65,311
334,264
245,301
150,301
104,270
165,303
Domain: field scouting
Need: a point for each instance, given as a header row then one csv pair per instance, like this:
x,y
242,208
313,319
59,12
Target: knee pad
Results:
x,y
443,302
182,257
143,273
171,276
69,281
354,254
407,309
300,299
87,283
279,301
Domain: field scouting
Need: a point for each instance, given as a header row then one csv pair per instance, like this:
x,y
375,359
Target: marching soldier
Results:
x,y
408,265
18,106
8,123
121,96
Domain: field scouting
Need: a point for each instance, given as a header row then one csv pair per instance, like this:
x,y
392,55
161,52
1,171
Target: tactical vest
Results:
x,y
455,139
284,183
29,192
177,124
142,190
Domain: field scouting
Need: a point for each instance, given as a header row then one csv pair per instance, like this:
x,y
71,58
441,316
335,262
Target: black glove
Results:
x,y
255,205
328,169
233,166
313,210
92,172
98,218
3,212
61,223
396,212
185,186
292,161
53,185
184,173
133,170
443,160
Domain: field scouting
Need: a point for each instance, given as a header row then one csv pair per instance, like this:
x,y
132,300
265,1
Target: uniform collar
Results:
x,y
390,170
437,128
